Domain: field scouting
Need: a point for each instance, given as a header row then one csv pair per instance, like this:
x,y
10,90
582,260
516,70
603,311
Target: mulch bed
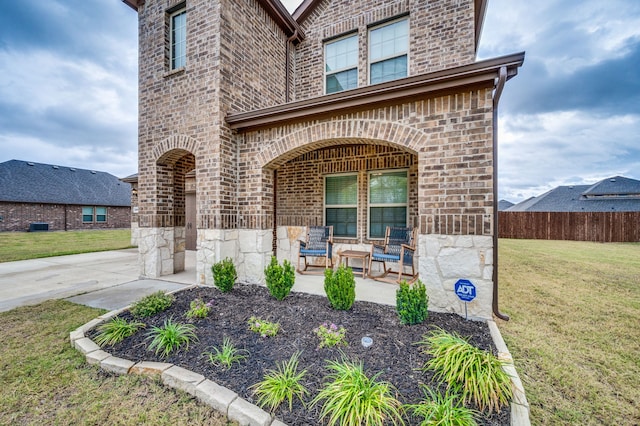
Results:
x,y
393,351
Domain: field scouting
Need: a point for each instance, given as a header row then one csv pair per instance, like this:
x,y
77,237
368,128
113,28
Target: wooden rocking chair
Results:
x,y
319,243
399,247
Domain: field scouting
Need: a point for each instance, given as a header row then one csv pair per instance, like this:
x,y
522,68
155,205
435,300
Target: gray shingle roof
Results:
x,y
617,194
22,181
504,204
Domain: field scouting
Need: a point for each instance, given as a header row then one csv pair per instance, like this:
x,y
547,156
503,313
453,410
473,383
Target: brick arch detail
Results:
x,y
169,151
353,131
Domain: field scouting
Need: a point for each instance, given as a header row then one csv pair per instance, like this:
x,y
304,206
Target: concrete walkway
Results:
x,y
110,280
106,280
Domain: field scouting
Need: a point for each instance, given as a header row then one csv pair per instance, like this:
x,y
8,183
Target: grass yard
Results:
x,y
43,380
31,245
575,328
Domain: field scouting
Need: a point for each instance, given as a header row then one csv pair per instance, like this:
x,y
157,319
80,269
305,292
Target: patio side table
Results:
x,y
355,254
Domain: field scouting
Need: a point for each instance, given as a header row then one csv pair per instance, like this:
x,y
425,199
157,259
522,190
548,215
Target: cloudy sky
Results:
x,y
68,93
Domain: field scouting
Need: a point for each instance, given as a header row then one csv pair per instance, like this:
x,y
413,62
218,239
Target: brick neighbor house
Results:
x,y
35,196
351,113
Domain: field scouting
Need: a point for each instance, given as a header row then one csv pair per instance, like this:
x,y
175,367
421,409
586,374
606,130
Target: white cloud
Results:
x,y
540,152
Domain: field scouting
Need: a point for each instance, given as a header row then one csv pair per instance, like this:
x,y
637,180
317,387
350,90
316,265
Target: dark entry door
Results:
x,y
190,213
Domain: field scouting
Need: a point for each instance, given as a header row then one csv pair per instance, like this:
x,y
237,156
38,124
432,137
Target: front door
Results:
x,y
190,213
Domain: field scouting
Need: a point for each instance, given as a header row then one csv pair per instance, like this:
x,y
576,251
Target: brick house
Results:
x,y
35,196
355,113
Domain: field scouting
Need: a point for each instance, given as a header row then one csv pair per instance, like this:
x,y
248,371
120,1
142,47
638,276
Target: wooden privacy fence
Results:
x,y
605,227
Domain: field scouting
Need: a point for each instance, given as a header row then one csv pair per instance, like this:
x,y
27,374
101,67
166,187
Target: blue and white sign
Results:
x,y
465,290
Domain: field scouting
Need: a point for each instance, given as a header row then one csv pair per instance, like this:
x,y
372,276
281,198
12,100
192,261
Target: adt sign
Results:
x,y
465,290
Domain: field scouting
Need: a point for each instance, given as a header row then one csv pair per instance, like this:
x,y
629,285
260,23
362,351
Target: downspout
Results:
x,y
287,64
502,78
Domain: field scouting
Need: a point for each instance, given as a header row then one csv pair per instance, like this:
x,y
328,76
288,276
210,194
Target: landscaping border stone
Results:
x,y
227,401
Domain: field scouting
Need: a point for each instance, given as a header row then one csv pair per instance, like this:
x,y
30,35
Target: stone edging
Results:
x,y
227,401
519,404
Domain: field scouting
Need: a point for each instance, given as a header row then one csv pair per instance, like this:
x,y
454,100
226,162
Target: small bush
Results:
x,y
340,287
116,330
263,327
353,399
411,303
477,374
152,304
279,279
170,337
224,275
436,409
198,309
227,355
281,384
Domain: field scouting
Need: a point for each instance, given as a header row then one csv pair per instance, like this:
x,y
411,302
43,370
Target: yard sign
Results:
x,y
466,291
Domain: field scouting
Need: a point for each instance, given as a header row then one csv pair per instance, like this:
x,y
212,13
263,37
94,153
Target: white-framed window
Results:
x,y
92,214
389,51
341,64
341,204
388,201
177,39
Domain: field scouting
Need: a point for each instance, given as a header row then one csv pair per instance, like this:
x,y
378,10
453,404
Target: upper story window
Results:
x,y
388,51
178,39
341,64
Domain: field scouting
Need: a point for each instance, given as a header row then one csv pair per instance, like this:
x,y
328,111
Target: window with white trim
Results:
x,y
178,39
388,51
341,64
388,201
341,204
94,214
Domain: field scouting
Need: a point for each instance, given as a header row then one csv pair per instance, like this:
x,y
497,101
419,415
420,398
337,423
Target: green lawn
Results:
x,y
574,334
31,245
44,381
575,328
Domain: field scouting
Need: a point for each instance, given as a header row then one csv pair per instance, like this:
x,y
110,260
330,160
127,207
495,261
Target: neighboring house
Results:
x,y
615,194
356,114
504,205
35,196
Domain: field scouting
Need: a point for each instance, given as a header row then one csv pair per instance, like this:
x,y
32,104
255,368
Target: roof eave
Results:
x,y
478,73
133,4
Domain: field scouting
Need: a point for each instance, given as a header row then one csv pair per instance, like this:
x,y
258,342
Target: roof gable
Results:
x,y
28,182
615,186
480,7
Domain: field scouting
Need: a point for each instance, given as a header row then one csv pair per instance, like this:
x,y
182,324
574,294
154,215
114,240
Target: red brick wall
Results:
x,y
300,182
235,62
441,36
451,136
18,216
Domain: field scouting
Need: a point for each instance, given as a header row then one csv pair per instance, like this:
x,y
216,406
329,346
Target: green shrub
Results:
x,y
116,330
170,337
279,279
281,384
477,374
353,399
152,304
224,275
340,287
436,409
198,309
227,355
411,303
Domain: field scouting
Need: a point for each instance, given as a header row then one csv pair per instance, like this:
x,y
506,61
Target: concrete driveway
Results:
x,y
106,280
